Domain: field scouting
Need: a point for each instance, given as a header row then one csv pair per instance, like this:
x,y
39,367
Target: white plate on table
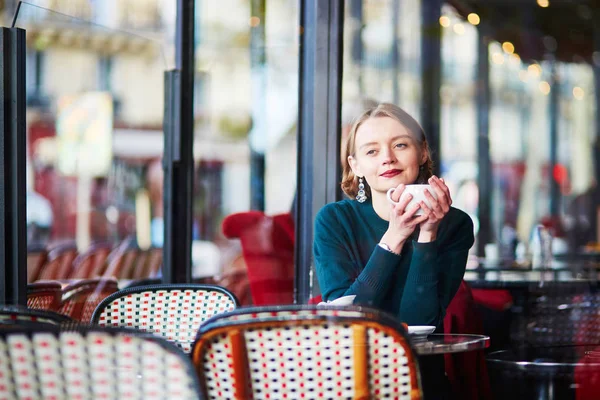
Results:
x,y
420,332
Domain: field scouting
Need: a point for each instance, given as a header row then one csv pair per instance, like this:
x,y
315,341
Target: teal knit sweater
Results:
x,y
416,285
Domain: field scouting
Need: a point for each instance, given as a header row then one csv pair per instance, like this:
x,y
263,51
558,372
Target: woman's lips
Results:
x,y
391,173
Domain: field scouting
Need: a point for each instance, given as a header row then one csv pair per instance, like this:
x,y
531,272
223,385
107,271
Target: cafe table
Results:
x,y
430,351
544,372
438,343
513,278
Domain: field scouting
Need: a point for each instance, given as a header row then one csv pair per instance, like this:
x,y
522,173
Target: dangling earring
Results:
x,y
361,196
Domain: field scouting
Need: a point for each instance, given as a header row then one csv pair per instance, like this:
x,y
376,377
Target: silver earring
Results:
x,y
361,196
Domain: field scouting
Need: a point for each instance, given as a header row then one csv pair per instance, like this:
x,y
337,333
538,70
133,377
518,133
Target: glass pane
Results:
x,y
246,99
535,90
94,131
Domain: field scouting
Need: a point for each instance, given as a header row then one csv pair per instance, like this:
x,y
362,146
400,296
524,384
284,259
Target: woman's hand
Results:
x,y
402,223
438,210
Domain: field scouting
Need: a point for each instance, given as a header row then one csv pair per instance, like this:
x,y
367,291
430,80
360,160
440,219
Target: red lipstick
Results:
x,y
391,173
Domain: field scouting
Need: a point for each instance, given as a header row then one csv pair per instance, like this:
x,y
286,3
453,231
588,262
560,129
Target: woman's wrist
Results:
x,y
393,243
427,236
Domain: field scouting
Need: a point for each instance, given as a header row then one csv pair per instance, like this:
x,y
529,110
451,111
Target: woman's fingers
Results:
x,y
409,213
440,204
435,205
421,219
400,206
397,193
447,190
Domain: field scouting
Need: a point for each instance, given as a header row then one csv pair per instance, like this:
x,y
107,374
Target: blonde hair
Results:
x,y
349,180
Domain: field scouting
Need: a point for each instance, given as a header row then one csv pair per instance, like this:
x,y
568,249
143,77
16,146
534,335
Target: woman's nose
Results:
x,y
388,156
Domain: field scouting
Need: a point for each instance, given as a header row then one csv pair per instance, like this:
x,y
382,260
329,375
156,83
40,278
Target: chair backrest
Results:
x,y
172,311
467,371
147,264
91,363
44,295
122,261
91,263
80,298
36,258
268,249
60,262
17,314
309,351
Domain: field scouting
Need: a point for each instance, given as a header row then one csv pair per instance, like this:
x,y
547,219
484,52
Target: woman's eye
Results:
x,y
370,152
400,145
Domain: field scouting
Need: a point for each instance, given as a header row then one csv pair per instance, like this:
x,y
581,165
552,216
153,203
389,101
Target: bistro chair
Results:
x,y
147,264
81,297
173,311
17,314
91,363
60,262
36,258
92,262
314,352
44,295
268,249
466,371
121,262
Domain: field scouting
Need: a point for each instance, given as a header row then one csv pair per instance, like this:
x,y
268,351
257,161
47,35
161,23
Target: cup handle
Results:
x,y
389,196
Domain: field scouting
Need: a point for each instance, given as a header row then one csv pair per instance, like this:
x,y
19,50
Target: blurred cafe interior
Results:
x,y
177,152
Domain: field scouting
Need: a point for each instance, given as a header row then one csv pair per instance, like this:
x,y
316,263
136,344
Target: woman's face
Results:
x,y
386,154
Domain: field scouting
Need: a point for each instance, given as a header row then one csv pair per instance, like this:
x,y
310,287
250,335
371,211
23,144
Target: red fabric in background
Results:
x,y
494,299
587,376
467,371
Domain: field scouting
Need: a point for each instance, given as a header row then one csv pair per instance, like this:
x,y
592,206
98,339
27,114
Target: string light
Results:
x,y
523,76
254,22
578,93
473,19
544,87
543,3
459,29
498,58
535,70
508,47
444,21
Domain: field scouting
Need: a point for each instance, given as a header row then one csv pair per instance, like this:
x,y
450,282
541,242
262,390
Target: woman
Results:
x,y
410,266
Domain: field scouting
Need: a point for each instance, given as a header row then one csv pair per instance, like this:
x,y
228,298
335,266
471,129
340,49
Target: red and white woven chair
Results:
x,y
174,312
308,352
81,297
44,295
91,363
19,314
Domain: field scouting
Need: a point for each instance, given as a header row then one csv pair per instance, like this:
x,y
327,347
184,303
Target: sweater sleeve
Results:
x,y
436,271
338,274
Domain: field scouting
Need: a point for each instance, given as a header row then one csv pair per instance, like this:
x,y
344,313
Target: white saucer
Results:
x,y
341,301
420,331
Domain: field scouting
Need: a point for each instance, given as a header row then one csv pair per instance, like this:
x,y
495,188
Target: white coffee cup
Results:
x,y
418,195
